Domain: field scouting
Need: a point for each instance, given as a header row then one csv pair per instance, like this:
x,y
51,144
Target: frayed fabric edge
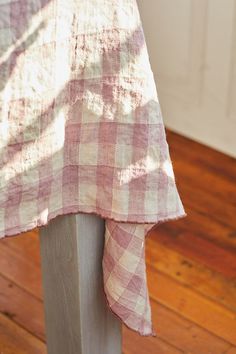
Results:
x,y
17,230
152,333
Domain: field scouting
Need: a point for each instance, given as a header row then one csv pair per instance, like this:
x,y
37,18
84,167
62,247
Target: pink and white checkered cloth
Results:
x,y
81,130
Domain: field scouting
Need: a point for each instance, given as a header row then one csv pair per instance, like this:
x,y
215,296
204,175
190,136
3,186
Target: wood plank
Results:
x,y
208,228
23,308
19,269
191,305
27,243
209,204
202,178
144,345
196,276
184,334
177,332
192,245
210,159
16,340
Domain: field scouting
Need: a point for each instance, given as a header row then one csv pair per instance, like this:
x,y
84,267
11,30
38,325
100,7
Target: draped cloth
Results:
x,y
81,131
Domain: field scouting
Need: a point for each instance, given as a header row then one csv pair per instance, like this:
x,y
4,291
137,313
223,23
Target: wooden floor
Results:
x,y
191,267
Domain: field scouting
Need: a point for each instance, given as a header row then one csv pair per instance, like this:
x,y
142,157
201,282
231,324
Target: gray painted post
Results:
x,y
77,318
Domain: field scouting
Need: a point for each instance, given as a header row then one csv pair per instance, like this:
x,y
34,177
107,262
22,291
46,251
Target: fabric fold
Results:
x,y
124,275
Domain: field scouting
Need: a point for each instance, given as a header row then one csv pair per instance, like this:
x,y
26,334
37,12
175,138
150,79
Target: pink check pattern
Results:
x,y
81,130
124,273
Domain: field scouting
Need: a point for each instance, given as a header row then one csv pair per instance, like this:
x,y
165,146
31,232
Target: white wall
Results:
x,y
192,51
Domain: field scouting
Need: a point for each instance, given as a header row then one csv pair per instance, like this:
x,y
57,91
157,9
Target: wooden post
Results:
x,y
78,320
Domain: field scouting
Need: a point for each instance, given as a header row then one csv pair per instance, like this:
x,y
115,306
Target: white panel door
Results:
x,y
192,50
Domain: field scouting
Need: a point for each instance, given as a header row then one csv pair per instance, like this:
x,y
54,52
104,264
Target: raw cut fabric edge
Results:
x,y
15,231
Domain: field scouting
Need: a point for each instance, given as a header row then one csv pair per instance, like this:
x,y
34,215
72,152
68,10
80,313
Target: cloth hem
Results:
x,y
76,209
151,333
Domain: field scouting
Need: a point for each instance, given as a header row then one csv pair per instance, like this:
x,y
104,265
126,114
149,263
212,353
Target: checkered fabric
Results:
x,y
81,130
